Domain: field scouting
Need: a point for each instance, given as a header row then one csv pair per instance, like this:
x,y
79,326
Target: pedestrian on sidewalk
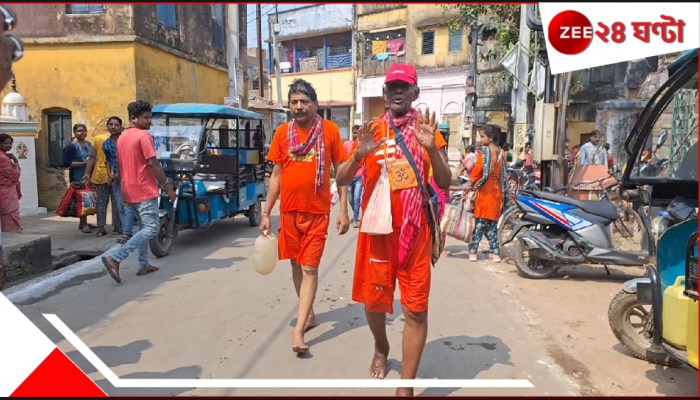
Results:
x,y
303,150
10,188
592,152
126,222
140,173
355,187
489,179
404,254
96,173
10,52
75,157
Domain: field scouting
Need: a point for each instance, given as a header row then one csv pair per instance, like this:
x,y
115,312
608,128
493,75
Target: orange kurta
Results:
x,y
303,225
376,259
489,198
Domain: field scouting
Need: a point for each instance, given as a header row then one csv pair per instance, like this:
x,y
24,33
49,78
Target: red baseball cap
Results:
x,y
401,72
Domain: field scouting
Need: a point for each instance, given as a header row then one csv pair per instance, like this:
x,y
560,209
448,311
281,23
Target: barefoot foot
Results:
x,y
379,366
404,392
298,345
310,323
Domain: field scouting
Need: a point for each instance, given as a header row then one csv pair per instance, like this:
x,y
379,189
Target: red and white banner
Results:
x,y
586,35
32,366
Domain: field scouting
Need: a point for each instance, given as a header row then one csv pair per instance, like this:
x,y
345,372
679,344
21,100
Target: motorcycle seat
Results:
x,y
601,208
555,189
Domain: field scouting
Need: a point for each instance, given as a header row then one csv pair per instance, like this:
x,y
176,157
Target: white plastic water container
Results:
x,y
265,254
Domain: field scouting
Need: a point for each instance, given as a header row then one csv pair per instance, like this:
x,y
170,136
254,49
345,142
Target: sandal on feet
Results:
x,y
147,270
123,239
112,267
101,232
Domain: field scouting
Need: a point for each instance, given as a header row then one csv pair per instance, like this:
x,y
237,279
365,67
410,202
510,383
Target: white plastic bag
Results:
x,y
376,220
335,196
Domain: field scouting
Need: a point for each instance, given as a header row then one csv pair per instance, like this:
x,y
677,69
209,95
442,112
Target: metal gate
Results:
x,y
684,131
455,123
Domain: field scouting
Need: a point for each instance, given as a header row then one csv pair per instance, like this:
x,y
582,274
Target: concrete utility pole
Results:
x,y
276,48
232,49
520,91
470,97
261,87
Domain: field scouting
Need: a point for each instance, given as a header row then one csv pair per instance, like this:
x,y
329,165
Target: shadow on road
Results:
x,y
347,318
191,372
677,381
671,381
112,356
459,357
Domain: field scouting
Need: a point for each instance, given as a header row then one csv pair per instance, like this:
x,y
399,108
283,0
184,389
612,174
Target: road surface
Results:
x,y
207,314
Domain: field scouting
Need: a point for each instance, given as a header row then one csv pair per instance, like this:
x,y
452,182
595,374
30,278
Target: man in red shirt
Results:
x,y
140,174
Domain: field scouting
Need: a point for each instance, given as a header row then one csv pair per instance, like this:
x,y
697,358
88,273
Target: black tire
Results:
x,y
255,213
161,244
526,268
507,248
636,340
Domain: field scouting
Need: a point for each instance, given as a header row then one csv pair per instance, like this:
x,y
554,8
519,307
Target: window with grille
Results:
x,y
455,41
165,14
60,132
217,26
85,8
428,43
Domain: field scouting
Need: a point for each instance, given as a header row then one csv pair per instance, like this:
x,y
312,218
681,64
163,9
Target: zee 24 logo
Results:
x,y
571,32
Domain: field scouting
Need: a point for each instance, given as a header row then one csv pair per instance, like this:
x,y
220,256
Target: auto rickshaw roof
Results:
x,y
202,108
680,60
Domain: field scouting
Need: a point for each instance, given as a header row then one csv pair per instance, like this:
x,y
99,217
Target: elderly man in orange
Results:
x,y
303,150
404,254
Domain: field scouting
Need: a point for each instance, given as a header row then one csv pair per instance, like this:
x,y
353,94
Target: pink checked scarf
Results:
x,y
411,199
315,138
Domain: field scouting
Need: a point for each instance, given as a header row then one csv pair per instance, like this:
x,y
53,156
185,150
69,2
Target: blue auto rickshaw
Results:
x,y
656,317
213,156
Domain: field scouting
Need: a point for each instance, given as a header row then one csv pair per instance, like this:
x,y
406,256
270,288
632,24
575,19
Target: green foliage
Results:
x,y
504,18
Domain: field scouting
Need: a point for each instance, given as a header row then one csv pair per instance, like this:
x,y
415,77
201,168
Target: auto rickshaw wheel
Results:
x,y
636,337
255,213
161,244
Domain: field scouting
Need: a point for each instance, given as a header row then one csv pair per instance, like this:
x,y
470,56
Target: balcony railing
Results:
x,y
374,67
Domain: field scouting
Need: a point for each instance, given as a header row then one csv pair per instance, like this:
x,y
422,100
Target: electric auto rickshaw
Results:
x,y
213,156
656,317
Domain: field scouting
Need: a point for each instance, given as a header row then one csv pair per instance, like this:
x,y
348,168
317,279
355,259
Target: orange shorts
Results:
x,y
376,272
302,237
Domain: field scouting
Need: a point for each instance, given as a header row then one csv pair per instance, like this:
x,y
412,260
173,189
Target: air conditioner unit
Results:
x,y
543,140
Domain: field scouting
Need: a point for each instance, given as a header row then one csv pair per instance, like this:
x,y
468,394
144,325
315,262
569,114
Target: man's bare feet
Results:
x,y
404,392
298,344
310,323
379,366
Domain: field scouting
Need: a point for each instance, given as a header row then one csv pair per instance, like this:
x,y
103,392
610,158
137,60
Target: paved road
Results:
x,y
208,314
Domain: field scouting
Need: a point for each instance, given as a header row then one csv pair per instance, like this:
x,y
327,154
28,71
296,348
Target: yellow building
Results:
x,y
318,49
88,64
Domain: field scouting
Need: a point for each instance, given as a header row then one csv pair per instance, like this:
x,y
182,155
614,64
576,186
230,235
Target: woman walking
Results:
x,y
488,178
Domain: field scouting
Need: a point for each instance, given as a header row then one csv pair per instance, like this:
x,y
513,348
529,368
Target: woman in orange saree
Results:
x,y
488,177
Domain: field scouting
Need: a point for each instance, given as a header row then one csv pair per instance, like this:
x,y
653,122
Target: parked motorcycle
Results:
x,y
561,230
570,231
